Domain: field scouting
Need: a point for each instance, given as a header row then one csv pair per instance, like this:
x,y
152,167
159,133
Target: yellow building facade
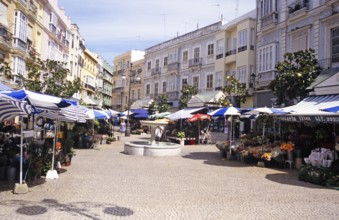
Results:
x,y
235,45
88,78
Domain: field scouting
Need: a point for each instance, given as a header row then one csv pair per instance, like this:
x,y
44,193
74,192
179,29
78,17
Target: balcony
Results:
x,y
297,7
269,20
20,44
155,71
219,56
173,67
252,47
33,9
230,52
195,62
5,39
118,90
89,87
243,48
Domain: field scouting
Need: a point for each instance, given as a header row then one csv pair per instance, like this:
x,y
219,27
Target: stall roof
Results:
x,y
313,105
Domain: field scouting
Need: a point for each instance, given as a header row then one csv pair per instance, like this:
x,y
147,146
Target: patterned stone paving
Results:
x,y
107,184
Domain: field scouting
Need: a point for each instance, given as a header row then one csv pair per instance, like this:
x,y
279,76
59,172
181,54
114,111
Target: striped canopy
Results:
x,y
10,108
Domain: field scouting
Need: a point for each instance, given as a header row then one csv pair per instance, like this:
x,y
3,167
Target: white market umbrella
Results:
x,y
97,114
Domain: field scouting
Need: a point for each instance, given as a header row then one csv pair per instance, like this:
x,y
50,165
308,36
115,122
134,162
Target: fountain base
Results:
x,y
145,148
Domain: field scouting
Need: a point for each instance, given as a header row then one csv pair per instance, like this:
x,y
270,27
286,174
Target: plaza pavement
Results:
x,y
107,184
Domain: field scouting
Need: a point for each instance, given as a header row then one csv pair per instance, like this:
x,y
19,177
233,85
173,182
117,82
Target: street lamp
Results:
x,y
136,78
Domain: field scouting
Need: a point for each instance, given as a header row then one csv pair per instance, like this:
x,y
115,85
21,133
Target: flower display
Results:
x,y
289,146
267,156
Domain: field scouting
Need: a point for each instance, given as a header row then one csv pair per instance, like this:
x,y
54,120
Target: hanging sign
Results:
x,y
309,118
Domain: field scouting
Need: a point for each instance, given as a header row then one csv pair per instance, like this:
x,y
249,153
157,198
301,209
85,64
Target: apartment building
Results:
x,y
32,28
126,69
187,59
89,79
76,57
235,53
292,25
106,74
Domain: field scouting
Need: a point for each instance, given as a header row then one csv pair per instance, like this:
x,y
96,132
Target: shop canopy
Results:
x,y
97,114
140,113
312,109
10,108
37,99
185,113
225,111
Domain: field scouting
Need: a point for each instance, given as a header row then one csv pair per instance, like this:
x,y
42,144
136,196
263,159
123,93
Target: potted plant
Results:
x,y
109,140
181,136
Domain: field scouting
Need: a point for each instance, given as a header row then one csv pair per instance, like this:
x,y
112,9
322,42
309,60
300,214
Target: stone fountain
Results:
x,y
152,147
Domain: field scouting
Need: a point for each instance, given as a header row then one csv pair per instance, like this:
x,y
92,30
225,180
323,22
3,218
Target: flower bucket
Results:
x,y
290,155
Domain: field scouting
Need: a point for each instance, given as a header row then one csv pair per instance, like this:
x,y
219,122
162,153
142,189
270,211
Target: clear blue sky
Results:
x,y
112,27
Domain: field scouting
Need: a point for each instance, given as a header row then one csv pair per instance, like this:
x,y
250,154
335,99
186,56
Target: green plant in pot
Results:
x,y
181,134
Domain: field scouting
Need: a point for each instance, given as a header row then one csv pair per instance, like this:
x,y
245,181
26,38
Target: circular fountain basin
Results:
x,y
145,148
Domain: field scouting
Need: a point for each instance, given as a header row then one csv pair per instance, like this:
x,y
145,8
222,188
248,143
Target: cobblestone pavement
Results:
x,y
107,184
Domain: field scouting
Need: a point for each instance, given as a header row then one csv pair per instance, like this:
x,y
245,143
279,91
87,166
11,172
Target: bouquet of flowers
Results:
x,y
288,146
267,156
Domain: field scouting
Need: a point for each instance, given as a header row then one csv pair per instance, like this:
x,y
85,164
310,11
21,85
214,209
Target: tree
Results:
x,y
49,77
187,92
236,89
159,104
296,72
6,70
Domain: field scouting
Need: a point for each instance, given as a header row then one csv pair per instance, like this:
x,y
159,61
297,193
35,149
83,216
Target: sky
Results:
x,y
112,27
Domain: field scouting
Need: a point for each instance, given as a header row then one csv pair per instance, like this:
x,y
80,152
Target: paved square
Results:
x,y
107,184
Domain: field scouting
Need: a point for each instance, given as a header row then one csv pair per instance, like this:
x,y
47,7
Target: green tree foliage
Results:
x,y
49,77
6,70
159,104
296,72
187,92
236,89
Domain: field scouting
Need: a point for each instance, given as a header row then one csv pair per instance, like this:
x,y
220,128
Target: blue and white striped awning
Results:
x,y
10,108
314,105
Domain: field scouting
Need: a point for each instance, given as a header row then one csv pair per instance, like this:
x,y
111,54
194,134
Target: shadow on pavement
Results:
x,y
290,178
85,210
214,158
9,186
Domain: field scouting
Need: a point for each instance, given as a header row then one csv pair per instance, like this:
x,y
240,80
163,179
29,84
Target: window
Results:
x,y
243,38
196,82
19,66
252,36
156,89
133,94
335,45
266,7
218,79
210,49
183,82
165,61
148,89
185,56
139,94
209,81
234,43
267,57
3,12
149,65
20,30
196,54
241,74
164,87
299,41
157,63
220,46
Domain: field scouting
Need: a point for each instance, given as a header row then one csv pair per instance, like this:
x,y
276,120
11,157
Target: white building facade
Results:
x,y
187,59
292,25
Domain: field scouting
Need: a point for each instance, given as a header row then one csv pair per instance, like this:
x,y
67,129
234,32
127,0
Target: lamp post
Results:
x,y
136,77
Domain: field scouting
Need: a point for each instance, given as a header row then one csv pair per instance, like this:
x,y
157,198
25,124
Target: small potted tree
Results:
x,y
181,136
